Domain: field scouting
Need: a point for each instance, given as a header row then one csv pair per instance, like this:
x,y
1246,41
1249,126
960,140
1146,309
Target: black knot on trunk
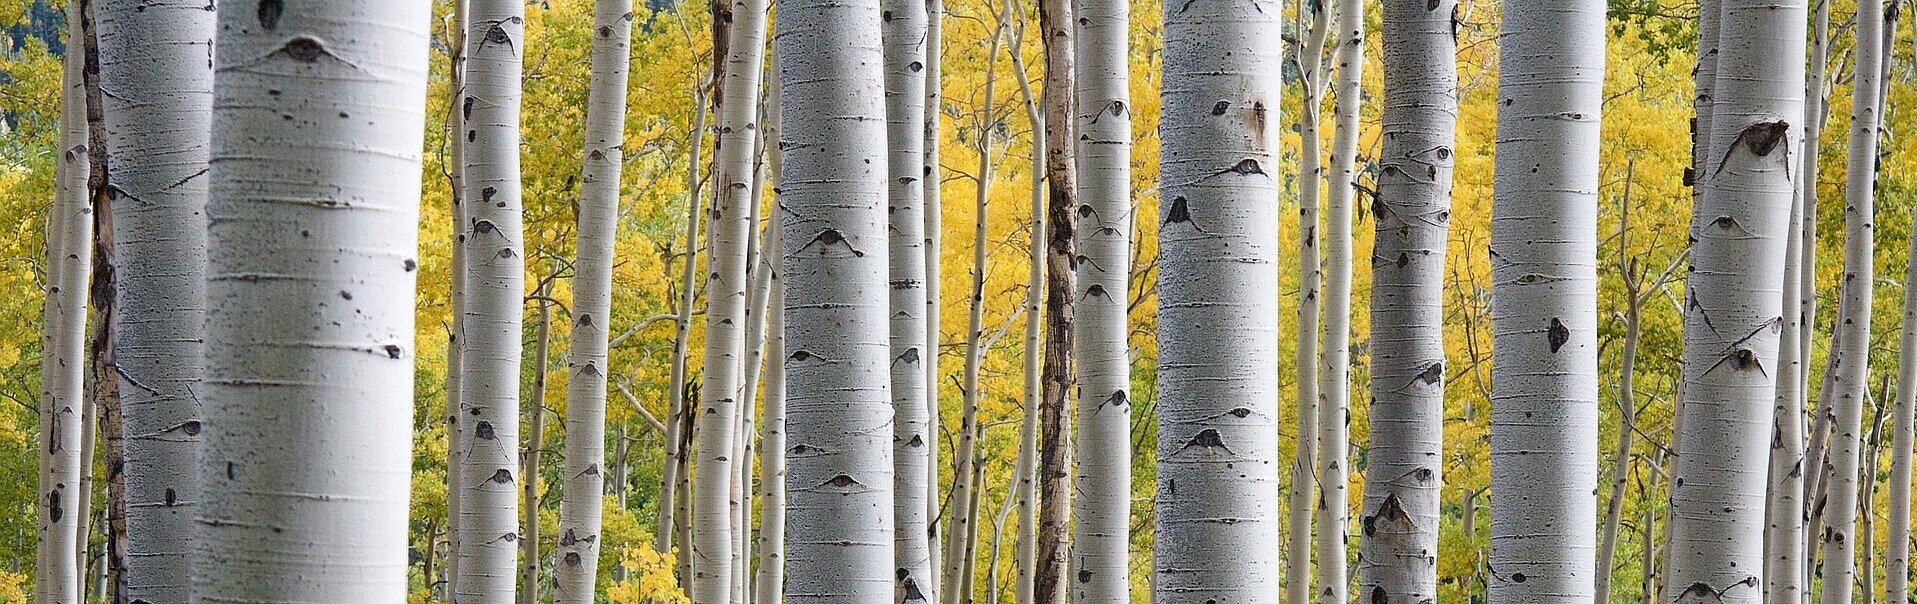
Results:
x,y
1558,334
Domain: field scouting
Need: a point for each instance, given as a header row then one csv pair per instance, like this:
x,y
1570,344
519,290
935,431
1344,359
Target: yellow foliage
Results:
x,y
648,579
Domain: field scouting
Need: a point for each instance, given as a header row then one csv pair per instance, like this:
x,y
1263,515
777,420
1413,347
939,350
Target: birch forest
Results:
x,y
957,301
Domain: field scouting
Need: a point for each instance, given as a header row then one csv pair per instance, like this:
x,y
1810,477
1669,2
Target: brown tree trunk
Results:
x,y
1061,179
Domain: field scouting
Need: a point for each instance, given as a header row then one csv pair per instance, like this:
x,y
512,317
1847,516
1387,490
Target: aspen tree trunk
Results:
x,y
1216,521
1398,548
744,447
153,58
930,179
1733,314
1784,514
731,228
1816,110
839,417
1058,25
904,31
1304,482
495,286
1334,371
89,429
456,290
770,573
1839,537
1897,557
577,556
1627,267
962,527
63,400
1026,471
677,418
1101,534
284,321
535,448
1544,423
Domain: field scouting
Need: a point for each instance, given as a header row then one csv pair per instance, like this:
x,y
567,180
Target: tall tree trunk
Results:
x,y
577,566
1897,557
495,287
1816,110
770,573
1026,471
839,473
1216,520
904,31
69,247
1733,311
456,291
1304,484
1334,366
1101,537
930,180
744,447
677,417
1058,25
328,523
1620,471
1544,427
153,58
535,448
89,429
731,228
1784,514
1840,539
1398,548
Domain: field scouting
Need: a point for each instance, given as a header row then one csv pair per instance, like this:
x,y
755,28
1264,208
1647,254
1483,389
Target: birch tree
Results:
x,y
1733,310
313,211
598,223
1897,558
769,575
1398,548
153,58
1217,505
904,30
1784,513
731,227
1334,373
495,286
1102,507
839,417
1839,537
63,401
930,179
1310,57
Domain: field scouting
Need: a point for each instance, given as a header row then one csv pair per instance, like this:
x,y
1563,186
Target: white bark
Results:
x,y
63,400
1544,416
1897,558
904,39
1217,513
456,291
1025,472
1102,503
731,228
153,59
671,479
839,416
770,573
1334,365
1398,547
1839,536
1304,484
495,286
1733,314
934,246
313,211
1784,514
577,567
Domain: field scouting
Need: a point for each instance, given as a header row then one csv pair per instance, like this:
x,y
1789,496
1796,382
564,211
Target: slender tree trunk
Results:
x,y
89,428
677,418
328,523
731,229
1216,520
962,527
1648,545
456,290
535,448
904,34
771,545
1634,292
1784,514
153,57
577,566
1816,110
1733,311
1867,499
1839,537
1304,482
758,296
1025,587
495,285
839,472
1399,547
1334,377
1897,557
1101,537
63,366
930,180
1058,24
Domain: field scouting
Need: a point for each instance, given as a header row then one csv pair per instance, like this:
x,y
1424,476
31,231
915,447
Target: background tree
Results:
x,y
1334,366
69,258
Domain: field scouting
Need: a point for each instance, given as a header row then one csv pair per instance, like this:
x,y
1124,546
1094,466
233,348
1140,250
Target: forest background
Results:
x,y
1644,215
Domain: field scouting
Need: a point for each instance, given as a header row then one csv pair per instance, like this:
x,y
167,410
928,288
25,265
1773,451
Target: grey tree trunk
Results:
x,y
1026,472
69,247
577,567
495,286
677,416
1784,514
722,386
1101,534
1058,26
1897,558
769,576
1839,536
1304,484
904,31
529,458
153,58
1334,365
1544,425
1733,314
1217,513
317,130
1398,549
839,417
456,291
930,179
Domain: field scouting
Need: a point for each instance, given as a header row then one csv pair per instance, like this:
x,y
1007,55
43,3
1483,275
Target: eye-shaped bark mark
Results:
x,y
1180,213
484,430
1095,291
501,476
1084,575
909,357
305,49
172,498
1220,107
801,356
496,34
1557,334
508,537
269,13
1245,166
54,510
1702,592
572,559
1209,439
828,238
1391,516
911,588
1760,139
1431,375
916,442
